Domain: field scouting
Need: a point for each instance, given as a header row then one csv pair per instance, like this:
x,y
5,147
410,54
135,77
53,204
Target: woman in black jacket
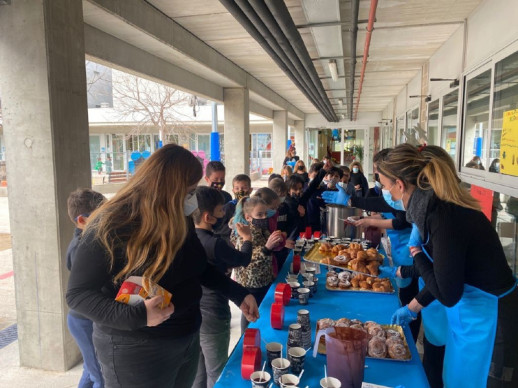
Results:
x,y
358,180
145,230
463,266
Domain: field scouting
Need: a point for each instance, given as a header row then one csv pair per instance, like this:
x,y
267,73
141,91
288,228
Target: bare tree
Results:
x,y
149,103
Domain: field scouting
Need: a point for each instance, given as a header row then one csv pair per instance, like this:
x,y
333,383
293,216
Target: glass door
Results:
x,y
95,150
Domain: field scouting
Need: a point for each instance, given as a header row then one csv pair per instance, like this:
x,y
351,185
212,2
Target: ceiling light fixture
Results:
x,y
341,102
454,83
333,69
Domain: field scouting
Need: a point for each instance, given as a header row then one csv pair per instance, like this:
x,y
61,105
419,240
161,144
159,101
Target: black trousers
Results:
x,y
433,360
405,296
128,362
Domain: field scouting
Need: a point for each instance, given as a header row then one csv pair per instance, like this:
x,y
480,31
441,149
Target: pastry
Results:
x,y
331,273
332,281
377,348
326,260
343,322
344,284
358,327
325,323
340,260
356,322
355,282
396,350
393,334
364,285
376,331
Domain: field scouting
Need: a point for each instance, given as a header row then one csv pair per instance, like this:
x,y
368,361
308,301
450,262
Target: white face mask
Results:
x,y
190,204
356,170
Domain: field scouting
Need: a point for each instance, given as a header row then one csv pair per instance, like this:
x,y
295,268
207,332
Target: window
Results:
x,y
449,123
400,129
433,122
476,119
204,144
505,99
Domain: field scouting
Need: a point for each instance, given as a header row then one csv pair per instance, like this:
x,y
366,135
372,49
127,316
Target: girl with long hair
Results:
x,y
358,180
258,275
300,170
463,266
146,230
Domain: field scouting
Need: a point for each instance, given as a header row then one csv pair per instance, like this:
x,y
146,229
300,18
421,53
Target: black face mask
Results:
x,y
376,177
241,194
217,185
260,223
219,222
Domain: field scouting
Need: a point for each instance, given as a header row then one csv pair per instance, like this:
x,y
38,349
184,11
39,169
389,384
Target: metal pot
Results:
x,y
336,226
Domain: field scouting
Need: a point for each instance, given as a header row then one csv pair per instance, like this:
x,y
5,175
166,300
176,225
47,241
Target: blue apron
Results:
x,y
435,321
399,249
471,337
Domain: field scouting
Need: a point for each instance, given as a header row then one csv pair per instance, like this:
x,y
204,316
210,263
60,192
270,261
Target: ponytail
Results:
x,y
438,176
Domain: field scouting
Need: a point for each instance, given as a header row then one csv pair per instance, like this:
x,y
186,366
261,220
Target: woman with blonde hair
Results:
x,y
469,273
286,172
146,230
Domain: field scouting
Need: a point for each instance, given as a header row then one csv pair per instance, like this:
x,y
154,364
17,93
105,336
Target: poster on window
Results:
x,y
485,197
509,143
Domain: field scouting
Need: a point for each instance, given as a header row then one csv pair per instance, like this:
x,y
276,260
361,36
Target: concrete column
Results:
x,y
300,140
45,118
279,139
237,133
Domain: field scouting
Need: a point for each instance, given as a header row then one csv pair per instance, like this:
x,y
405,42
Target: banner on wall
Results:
x,y
485,197
509,143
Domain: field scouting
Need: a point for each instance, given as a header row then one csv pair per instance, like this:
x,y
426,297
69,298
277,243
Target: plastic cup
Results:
x,y
330,382
303,295
273,351
280,367
260,379
289,381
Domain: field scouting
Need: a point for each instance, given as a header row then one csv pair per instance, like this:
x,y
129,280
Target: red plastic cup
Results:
x,y
251,361
277,315
316,234
283,293
296,263
252,338
302,234
308,232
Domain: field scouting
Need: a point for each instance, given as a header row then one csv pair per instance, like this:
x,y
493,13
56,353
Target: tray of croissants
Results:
x,y
351,256
350,281
386,342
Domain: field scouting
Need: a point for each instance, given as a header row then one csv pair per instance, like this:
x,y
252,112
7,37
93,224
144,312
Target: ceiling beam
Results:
x,y
142,21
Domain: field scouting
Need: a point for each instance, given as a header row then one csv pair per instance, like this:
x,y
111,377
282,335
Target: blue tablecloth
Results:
x,y
334,305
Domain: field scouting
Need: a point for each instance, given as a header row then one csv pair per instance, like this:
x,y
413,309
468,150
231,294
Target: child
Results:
x,y
315,203
258,275
286,172
215,177
80,204
215,311
241,187
300,170
99,166
109,165
280,188
294,222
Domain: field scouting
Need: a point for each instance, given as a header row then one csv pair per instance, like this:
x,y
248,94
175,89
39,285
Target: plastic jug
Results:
x,y
346,349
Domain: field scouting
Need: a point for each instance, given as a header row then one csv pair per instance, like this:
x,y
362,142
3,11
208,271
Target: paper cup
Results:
x,y
303,294
309,285
297,357
330,382
294,286
260,379
273,351
288,381
280,367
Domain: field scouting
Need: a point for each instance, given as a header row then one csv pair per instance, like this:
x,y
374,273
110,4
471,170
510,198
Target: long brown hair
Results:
x,y
299,163
147,213
406,163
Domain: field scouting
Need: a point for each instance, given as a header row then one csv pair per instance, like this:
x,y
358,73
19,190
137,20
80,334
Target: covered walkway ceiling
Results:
x,y
197,45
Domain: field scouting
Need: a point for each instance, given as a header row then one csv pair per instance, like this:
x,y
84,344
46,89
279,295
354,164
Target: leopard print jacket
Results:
x,y
259,273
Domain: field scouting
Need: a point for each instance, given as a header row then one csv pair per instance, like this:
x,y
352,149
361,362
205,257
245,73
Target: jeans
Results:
x,y
81,329
214,342
259,294
140,362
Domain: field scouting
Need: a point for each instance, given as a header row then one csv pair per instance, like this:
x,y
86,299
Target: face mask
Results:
x,y
301,168
241,194
217,185
356,170
190,204
398,205
270,213
377,184
260,223
326,181
282,199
